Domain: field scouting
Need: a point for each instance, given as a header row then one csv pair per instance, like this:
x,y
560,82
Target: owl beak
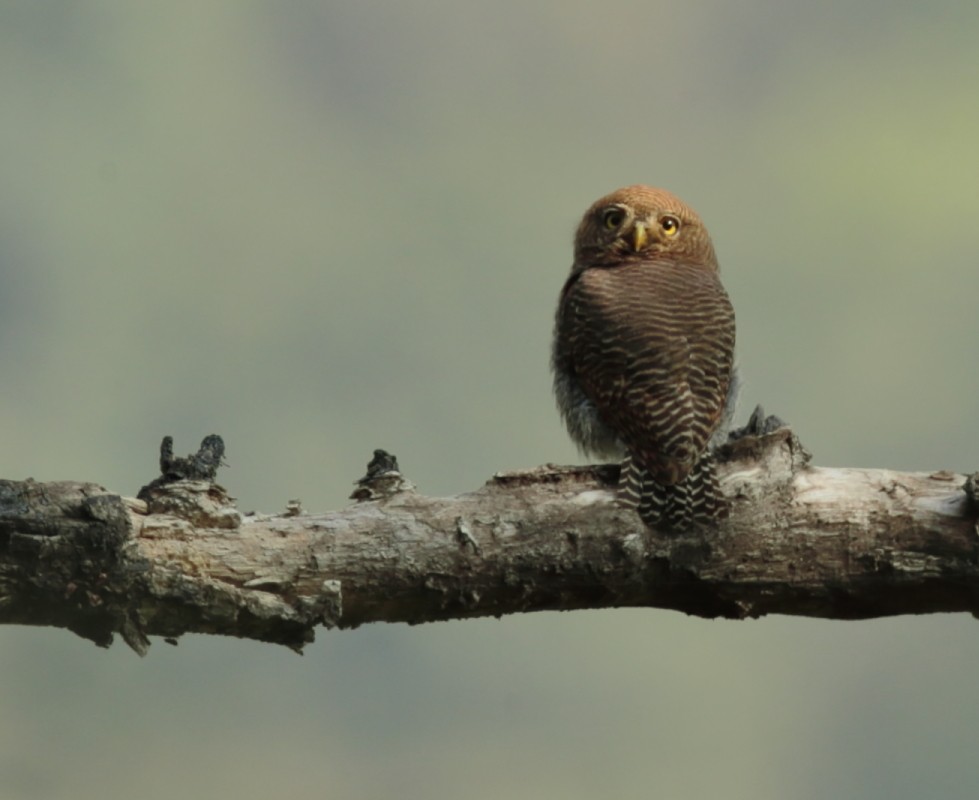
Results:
x,y
639,236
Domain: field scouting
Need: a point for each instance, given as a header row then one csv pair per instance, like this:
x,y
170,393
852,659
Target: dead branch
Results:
x,y
835,543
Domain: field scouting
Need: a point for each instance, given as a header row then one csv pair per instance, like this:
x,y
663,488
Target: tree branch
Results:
x,y
837,543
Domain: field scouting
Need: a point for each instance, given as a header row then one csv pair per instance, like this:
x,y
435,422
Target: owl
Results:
x,y
643,353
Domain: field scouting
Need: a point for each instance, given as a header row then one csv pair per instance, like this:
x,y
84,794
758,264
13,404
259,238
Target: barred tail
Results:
x,y
676,507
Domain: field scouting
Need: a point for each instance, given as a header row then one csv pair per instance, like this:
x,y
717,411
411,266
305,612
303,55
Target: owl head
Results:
x,y
640,223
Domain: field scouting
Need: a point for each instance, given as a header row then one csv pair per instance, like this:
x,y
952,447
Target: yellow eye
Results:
x,y
612,218
670,225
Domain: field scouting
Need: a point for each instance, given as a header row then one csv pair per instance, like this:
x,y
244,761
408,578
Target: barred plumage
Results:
x,y
643,352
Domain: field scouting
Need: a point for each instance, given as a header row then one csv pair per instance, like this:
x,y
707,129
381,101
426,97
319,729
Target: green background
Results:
x,y
321,228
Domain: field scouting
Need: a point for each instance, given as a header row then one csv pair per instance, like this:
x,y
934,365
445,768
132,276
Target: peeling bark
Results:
x,y
823,542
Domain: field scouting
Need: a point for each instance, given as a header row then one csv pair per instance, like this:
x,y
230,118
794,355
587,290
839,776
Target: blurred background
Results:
x,y
321,228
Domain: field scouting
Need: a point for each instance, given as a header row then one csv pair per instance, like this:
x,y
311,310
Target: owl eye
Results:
x,y
670,225
612,218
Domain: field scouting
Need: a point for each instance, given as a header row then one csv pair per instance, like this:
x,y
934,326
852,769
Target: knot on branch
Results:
x,y
759,424
186,487
383,479
200,466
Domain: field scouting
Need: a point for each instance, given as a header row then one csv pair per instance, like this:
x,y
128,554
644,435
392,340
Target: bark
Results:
x,y
835,543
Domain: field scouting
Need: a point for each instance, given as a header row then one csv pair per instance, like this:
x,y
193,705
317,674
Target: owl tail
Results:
x,y
677,507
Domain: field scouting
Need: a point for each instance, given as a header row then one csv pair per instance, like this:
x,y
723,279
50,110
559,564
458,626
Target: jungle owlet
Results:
x,y
643,353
